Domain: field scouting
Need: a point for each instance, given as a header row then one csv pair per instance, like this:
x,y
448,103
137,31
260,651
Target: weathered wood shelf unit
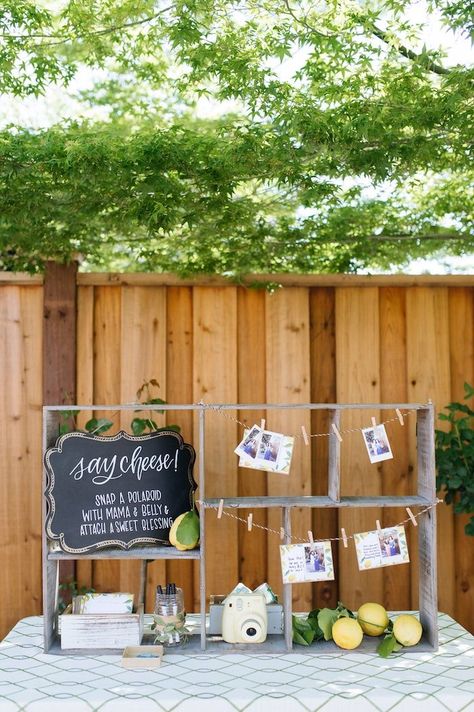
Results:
x,y
426,529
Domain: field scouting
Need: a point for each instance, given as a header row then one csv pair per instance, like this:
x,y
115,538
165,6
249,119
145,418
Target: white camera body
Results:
x,y
244,618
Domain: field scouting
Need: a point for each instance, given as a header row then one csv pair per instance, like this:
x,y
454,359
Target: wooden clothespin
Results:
x,y
249,522
344,537
412,516
282,533
262,423
374,422
305,435
336,432
310,537
399,416
377,524
220,508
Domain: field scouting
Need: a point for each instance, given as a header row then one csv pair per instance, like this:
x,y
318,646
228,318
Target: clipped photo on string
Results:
x,y
377,443
249,445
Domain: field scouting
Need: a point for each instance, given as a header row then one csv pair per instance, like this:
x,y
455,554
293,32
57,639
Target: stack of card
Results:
x,y
265,450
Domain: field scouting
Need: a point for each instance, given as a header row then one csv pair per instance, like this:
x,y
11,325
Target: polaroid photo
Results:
x,y
384,547
274,453
303,563
377,444
248,446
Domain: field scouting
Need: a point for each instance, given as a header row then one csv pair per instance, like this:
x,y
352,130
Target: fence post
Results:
x,y
59,347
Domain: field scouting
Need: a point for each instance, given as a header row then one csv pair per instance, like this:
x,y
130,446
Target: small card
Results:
x,y
104,603
273,451
306,562
384,547
377,444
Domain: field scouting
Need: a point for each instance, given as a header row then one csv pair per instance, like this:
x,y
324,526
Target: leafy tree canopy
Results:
x,y
346,145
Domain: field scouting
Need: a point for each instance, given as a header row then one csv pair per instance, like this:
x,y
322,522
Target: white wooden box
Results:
x,y
101,631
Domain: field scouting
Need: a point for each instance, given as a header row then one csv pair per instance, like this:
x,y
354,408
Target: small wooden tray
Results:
x,y
141,657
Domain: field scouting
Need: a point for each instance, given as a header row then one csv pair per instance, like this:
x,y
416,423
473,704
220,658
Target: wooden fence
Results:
x,y
320,339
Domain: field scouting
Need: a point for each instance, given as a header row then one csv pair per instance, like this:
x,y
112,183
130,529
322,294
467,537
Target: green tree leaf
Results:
x,y
388,645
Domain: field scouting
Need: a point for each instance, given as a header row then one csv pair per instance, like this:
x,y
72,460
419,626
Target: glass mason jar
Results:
x,y
170,618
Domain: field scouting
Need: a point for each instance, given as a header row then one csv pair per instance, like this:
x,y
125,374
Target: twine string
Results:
x,y
255,525
218,409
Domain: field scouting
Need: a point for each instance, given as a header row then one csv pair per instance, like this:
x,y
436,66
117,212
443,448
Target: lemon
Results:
x,y
373,618
188,538
407,630
347,633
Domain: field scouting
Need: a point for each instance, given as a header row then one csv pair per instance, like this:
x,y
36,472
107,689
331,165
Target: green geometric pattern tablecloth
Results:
x,y
31,681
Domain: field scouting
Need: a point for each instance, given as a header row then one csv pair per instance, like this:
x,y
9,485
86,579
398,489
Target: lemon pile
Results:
x,y
372,619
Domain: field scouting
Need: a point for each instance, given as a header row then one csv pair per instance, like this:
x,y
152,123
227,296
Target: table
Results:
x,y
32,681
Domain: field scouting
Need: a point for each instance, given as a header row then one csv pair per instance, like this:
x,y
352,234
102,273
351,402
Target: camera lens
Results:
x,y
252,629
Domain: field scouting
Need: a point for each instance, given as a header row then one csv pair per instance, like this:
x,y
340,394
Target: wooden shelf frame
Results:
x,y
425,497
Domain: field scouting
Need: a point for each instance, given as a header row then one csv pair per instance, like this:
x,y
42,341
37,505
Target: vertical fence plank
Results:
x,y
323,390
215,381
20,442
107,389
288,381
397,474
30,474
461,343
429,377
143,357
251,388
358,381
179,389
85,388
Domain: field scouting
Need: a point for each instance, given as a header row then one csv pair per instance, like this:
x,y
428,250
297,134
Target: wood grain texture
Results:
x,y
358,380
288,381
428,371
20,441
59,337
323,390
215,381
59,348
85,387
461,343
142,357
30,470
397,474
251,387
107,389
179,389
143,279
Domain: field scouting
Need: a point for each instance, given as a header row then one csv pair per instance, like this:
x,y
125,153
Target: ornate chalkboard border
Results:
x,y
50,479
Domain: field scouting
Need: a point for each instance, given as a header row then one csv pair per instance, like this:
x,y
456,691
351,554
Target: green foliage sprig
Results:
x,y
318,624
98,426
68,590
455,457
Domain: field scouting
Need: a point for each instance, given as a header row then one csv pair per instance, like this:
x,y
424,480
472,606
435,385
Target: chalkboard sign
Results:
x,y
116,491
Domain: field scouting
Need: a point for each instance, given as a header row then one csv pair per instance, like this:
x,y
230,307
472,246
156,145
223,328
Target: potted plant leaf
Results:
x,y
455,457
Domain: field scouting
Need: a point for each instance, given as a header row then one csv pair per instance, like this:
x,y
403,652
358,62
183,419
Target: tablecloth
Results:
x,y
32,681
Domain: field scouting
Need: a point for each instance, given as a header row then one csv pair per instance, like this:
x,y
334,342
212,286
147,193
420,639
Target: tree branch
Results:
x,y
409,54
103,31
381,35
